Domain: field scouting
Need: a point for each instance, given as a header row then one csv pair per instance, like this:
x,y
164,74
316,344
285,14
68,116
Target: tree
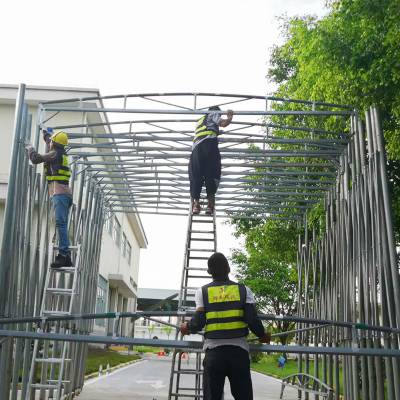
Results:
x,y
351,56
269,268
150,329
167,330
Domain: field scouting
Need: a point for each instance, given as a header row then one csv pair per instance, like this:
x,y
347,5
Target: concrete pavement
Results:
x,y
149,380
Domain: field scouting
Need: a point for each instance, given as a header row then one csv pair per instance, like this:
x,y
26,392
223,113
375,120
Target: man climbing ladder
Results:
x,y
205,160
58,173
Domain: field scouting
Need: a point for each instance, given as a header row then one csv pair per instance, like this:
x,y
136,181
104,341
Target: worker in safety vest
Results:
x,y
226,311
205,160
57,173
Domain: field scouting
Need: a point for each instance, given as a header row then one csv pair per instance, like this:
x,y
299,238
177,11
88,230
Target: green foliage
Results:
x,y
147,349
255,356
351,56
167,330
268,268
97,357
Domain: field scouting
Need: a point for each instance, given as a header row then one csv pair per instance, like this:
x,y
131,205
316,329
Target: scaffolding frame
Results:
x,y
347,274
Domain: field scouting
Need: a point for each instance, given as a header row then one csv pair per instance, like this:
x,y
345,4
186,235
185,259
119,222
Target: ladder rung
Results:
x,y
66,270
199,276
52,360
202,222
70,248
51,312
199,258
43,386
201,240
60,291
196,269
189,288
202,250
56,381
188,372
199,231
187,395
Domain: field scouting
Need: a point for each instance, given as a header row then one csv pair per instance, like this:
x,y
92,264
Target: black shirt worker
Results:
x,y
205,160
226,311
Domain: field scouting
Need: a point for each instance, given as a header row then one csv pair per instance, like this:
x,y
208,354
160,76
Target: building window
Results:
x,y
124,244
117,232
101,299
133,283
128,251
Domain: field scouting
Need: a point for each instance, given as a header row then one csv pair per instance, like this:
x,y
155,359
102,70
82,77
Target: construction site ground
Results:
x,y
149,380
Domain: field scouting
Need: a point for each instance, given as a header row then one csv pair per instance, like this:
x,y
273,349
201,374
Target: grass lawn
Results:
x,y
147,349
268,365
97,357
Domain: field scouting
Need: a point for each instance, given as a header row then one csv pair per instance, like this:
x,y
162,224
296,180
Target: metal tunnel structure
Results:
x,y
280,158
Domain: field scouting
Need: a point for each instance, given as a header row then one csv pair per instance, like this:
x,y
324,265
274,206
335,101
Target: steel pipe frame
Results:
x,y
147,136
181,344
29,227
193,121
196,97
361,326
351,271
358,215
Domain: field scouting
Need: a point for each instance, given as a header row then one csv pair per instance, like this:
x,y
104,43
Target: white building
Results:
x,y
123,235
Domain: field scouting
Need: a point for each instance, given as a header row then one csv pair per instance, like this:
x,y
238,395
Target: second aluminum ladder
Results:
x,y
201,242
50,370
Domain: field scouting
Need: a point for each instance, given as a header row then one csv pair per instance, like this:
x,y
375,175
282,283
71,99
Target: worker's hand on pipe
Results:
x,y
28,148
185,329
46,133
266,338
229,113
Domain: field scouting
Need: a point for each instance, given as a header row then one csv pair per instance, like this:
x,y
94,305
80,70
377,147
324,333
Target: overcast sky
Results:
x,y
132,46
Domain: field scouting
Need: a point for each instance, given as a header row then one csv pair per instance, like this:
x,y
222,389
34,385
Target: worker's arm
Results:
x,y
198,320
224,122
196,324
253,321
37,158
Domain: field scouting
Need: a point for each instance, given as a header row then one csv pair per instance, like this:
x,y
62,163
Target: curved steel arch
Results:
x,y
143,163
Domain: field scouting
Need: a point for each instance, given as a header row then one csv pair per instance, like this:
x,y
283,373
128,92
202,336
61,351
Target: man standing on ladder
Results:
x,y
205,160
57,173
226,309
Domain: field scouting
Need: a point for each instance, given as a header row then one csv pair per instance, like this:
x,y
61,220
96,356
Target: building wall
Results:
x,y
117,289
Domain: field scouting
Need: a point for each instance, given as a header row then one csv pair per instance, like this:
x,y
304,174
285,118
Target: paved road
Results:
x,y
149,380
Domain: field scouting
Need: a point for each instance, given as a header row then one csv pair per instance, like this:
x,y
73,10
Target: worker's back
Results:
x,y
224,303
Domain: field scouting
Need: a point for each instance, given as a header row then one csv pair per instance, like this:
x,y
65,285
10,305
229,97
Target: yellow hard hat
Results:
x,y
60,137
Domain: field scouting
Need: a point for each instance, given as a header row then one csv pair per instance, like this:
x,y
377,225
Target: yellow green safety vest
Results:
x,y
58,170
224,308
205,127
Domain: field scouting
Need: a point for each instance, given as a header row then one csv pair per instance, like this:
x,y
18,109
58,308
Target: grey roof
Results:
x,y
156,294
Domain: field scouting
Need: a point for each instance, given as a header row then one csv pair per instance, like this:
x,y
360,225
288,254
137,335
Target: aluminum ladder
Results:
x,y
51,359
201,242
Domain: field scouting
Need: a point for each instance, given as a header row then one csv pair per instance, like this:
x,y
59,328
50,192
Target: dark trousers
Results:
x,y
205,167
227,361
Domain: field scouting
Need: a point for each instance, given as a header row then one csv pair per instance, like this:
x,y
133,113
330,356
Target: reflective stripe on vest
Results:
x,y
222,326
224,314
204,129
62,174
224,309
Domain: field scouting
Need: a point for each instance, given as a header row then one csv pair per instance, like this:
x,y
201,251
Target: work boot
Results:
x,y
210,206
61,261
196,207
